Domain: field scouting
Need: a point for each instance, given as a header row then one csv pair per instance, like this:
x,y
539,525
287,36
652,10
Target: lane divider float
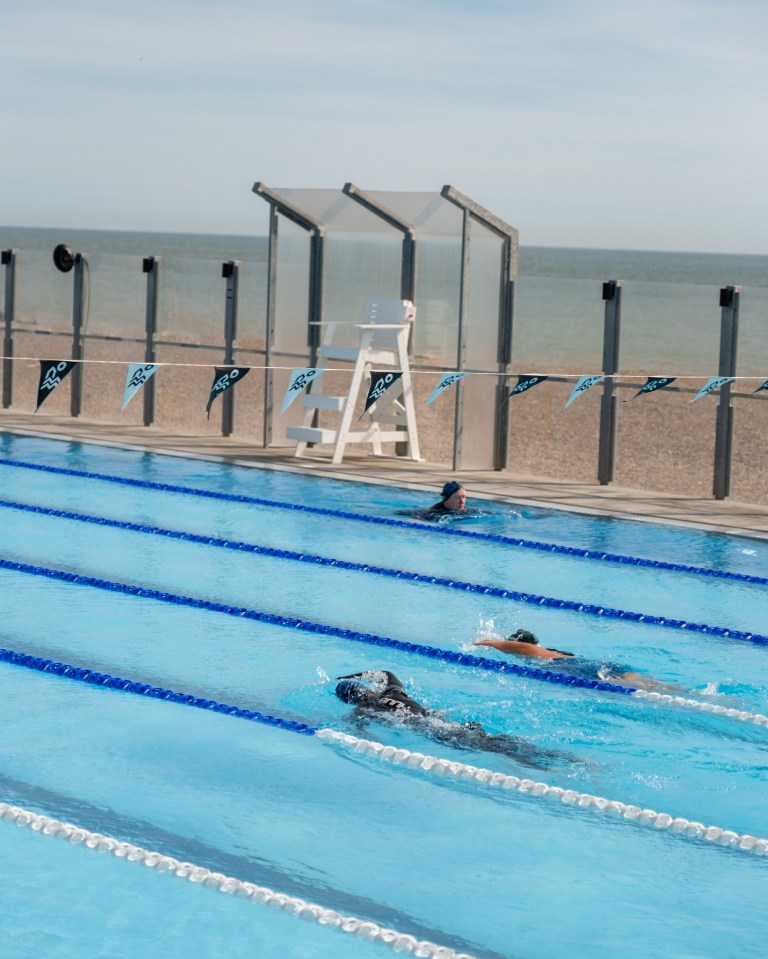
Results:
x,y
431,652
262,895
409,759
430,529
531,599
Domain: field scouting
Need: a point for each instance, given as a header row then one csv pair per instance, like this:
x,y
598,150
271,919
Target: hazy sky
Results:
x,y
593,123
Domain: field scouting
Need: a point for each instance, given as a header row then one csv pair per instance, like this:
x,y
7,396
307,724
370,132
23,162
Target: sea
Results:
x,y
671,314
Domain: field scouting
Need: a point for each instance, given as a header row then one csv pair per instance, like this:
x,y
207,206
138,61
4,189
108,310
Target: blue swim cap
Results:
x,y
352,692
450,488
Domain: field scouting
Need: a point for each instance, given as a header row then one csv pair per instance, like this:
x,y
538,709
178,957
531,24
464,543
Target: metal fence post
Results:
x,y
79,324
230,271
8,259
151,266
608,407
730,301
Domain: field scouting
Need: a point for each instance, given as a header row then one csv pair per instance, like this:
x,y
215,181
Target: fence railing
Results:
x,y
231,352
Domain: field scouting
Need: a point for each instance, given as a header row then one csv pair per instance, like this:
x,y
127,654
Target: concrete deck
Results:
x,y
722,516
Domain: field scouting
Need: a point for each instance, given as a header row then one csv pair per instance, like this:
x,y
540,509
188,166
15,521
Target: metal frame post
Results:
x,y
730,302
606,462
79,323
461,345
230,271
151,266
270,324
8,259
506,328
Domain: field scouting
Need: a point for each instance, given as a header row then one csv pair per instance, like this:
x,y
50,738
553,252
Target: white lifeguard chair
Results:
x,y
382,342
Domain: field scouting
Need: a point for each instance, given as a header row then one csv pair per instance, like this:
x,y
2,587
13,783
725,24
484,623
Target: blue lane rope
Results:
x,y
406,524
532,599
307,626
142,689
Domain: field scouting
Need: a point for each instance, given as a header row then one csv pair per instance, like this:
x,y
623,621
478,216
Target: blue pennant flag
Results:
x,y
446,380
138,374
300,380
713,384
585,382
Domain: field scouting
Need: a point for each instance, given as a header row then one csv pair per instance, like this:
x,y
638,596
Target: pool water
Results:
x,y
487,872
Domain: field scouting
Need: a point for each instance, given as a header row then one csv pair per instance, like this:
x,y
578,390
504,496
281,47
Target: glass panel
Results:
x,y
292,292
670,329
117,296
483,300
753,335
43,294
357,269
558,325
334,210
436,330
191,301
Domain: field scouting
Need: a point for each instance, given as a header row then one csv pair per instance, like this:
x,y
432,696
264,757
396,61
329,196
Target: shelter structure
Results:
x,y
332,251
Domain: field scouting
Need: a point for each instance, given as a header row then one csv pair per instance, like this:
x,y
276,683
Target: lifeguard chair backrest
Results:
x,y
388,312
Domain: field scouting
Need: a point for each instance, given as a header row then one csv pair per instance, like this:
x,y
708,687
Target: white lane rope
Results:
x,y
741,715
291,905
444,768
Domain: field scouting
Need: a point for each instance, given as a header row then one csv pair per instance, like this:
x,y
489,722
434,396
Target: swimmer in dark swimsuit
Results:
x,y
525,643
379,693
452,505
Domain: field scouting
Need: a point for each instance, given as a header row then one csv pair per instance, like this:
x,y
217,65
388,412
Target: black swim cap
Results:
x,y
450,488
524,636
352,692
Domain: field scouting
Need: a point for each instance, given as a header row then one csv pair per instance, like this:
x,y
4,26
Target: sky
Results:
x,y
582,123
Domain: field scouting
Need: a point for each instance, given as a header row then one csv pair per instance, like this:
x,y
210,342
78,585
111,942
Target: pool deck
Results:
x,y
723,516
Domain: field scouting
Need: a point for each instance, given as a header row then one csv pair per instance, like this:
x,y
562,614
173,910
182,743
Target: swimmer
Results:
x,y
452,505
453,499
379,693
525,643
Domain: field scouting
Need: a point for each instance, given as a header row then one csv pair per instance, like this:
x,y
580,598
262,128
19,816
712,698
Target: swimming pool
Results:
x,y
208,586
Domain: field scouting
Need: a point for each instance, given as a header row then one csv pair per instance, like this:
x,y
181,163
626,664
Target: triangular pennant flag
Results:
x,y
223,378
654,383
138,374
300,379
585,382
525,383
380,383
713,384
761,388
446,380
52,372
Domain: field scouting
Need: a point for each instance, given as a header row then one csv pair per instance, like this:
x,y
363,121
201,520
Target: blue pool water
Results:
x,y
486,872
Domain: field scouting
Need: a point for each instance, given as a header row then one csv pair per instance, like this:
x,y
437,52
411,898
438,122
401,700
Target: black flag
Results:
x,y
764,386
525,383
52,372
223,378
380,383
655,383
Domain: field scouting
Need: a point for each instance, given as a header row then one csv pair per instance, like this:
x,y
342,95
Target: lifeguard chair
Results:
x,y
382,342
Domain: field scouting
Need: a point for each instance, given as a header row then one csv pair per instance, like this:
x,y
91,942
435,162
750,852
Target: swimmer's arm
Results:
x,y
505,646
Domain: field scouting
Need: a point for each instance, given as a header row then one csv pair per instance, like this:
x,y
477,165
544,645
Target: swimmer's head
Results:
x,y
524,636
352,692
450,488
